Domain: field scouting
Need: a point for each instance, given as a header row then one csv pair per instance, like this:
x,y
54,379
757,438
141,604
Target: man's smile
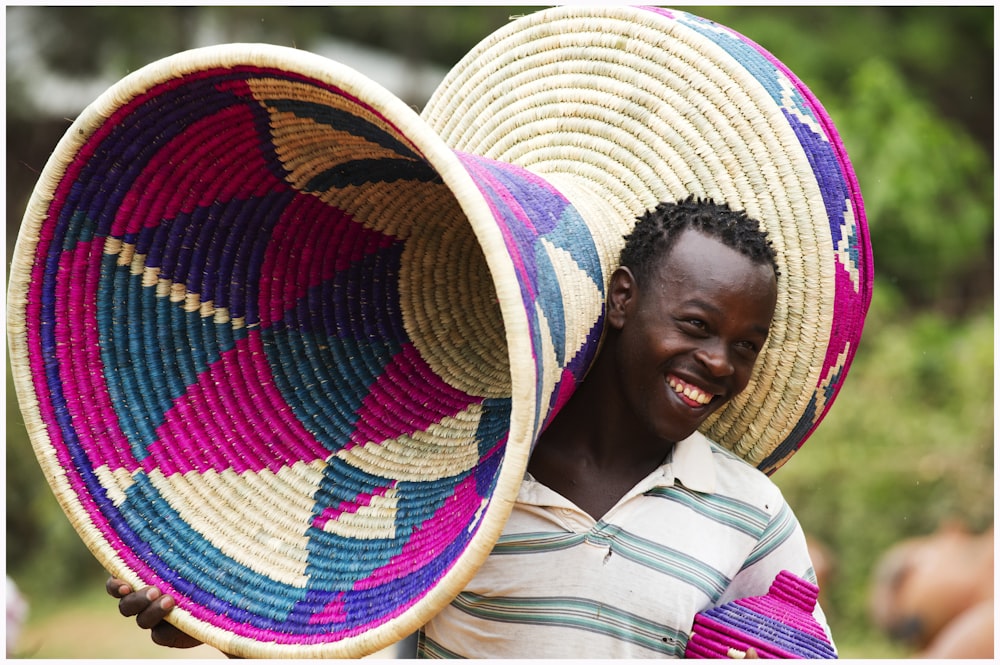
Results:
x,y
691,394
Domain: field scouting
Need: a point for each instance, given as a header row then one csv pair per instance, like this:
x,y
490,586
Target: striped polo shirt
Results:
x,y
701,530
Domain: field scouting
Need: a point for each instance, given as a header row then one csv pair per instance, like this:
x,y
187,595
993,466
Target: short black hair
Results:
x,y
657,230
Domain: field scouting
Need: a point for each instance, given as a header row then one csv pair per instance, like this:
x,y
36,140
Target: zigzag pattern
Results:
x,y
845,212
240,318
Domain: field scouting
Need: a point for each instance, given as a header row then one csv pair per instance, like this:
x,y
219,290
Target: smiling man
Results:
x,y
688,311
629,521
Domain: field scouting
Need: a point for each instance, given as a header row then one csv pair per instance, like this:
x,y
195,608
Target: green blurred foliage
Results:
x,y
928,184
909,441
907,446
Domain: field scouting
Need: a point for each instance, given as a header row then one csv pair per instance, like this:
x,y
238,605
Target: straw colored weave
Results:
x,y
629,107
260,353
283,347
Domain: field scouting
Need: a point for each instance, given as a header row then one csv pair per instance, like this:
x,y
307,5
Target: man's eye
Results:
x,y
696,324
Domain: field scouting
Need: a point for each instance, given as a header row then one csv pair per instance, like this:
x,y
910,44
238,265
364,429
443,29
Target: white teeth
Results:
x,y
689,391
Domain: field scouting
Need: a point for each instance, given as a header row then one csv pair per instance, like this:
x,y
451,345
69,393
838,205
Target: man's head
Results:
x,y
692,305
658,229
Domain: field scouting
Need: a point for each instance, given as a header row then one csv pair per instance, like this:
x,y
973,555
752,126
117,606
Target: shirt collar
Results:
x,y
691,464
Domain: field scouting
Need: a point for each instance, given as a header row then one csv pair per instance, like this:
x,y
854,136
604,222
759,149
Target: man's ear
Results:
x,y
622,292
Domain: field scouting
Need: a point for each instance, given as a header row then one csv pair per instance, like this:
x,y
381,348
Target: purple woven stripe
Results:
x,y
233,215
315,252
528,209
516,223
770,637
773,609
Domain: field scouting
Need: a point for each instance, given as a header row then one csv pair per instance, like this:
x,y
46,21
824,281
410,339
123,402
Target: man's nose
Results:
x,y
714,355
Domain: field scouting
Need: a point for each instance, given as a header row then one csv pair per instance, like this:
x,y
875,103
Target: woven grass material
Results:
x,y
282,346
628,107
260,352
779,624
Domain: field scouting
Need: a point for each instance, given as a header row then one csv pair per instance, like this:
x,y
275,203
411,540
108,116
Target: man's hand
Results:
x,y
749,653
150,607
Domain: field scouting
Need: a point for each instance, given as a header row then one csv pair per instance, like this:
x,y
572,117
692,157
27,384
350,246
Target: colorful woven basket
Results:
x,y
623,107
283,346
779,624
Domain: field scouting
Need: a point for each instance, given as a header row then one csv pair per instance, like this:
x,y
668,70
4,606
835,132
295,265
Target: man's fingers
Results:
x,y
133,603
740,655
168,635
117,588
150,608
155,610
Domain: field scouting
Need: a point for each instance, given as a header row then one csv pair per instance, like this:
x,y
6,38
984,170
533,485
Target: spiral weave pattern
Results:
x,y
624,107
270,356
779,624
283,346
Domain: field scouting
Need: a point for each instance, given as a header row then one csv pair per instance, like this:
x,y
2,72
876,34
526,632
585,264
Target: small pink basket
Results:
x,y
779,624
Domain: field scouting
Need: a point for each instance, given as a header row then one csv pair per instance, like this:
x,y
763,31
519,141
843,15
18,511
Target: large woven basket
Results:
x,y
283,346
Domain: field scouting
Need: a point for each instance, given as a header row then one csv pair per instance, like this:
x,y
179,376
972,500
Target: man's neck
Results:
x,y
593,452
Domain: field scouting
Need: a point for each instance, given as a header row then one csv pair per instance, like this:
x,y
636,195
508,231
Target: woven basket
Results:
x,y
283,346
623,107
779,624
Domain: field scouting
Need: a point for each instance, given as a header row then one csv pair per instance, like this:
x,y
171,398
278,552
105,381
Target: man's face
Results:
x,y
691,332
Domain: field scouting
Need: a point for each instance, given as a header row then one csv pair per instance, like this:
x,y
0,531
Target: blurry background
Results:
x,y
908,445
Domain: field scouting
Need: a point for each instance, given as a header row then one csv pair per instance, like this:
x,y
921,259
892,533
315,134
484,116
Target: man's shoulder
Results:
x,y
735,477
